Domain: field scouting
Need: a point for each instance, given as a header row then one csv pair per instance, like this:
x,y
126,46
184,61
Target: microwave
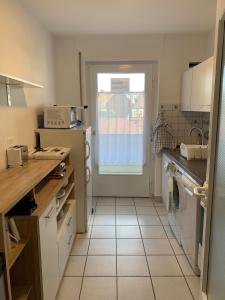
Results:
x,y
60,116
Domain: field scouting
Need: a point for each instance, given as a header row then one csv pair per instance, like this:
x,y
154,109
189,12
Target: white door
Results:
x,y
214,245
121,118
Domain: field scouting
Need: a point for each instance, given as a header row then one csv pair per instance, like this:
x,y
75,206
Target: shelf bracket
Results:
x,y
8,92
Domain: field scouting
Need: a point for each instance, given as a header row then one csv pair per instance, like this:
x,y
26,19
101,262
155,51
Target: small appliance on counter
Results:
x,y
191,152
50,153
16,155
62,117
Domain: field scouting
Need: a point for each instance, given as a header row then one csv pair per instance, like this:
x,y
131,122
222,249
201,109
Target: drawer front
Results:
x,y
65,241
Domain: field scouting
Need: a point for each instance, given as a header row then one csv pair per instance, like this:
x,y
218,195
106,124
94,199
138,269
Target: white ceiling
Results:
x,y
124,16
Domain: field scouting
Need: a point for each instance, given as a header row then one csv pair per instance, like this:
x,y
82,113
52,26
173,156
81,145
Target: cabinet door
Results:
x,y
49,252
186,90
202,86
165,189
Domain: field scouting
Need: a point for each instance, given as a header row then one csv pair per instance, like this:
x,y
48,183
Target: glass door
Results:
x,y
121,116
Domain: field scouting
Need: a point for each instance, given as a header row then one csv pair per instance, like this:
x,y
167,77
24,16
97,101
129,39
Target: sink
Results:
x,y
192,152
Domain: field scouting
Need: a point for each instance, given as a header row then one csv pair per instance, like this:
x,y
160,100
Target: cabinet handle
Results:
x,y
89,150
69,241
89,175
69,221
50,213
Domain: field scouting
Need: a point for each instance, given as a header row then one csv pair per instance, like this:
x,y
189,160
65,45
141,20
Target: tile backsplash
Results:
x,y
181,122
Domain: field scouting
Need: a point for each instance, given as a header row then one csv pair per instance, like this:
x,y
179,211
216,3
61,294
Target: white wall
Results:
x,y
173,52
26,51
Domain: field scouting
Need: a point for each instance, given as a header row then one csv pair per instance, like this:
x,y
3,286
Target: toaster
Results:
x,y
16,155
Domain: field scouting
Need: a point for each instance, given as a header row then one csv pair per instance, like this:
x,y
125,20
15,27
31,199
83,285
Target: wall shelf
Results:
x,y
15,252
12,80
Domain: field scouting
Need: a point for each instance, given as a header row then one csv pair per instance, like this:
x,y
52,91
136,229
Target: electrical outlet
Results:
x,y
10,141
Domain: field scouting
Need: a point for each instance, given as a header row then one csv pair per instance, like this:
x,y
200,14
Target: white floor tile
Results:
x,y
185,266
132,266
104,220
80,247
143,202
176,247
148,220
126,220
124,201
106,201
100,266
153,232
105,210
146,210
135,288
164,266
194,285
70,288
169,232
75,266
128,232
102,247
157,247
125,210
171,288
164,220
161,211
130,247
103,232
98,288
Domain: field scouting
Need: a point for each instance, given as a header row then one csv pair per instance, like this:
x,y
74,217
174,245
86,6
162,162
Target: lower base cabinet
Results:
x,y
49,252
56,240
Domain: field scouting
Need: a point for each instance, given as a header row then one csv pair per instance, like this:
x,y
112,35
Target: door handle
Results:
x,y
89,175
89,150
69,221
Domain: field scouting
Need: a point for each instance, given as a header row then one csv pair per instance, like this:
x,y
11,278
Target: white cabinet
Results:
x,y
186,90
49,251
197,87
66,236
202,86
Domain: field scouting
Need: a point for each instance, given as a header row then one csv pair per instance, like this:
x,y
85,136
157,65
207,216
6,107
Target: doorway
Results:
x,y
121,114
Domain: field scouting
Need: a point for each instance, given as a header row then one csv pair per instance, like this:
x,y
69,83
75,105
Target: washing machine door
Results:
x,y
174,214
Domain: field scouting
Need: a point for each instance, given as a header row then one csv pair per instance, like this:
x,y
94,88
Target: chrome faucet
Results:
x,y
200,132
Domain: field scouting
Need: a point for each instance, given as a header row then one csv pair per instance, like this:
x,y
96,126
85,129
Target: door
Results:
x,y
49,251
121,118
214,201
202,86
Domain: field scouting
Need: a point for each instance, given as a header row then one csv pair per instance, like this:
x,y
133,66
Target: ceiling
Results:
x,y
124,16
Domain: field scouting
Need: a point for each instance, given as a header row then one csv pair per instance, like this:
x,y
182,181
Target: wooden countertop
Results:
x,y
15,183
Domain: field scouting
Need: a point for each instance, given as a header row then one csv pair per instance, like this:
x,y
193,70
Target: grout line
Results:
x,y
175,257
86,256
145,255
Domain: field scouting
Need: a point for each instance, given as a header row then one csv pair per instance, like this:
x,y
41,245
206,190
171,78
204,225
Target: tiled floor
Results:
x,y
129,253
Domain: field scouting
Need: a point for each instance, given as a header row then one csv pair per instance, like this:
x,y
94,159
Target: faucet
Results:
x,y
200,132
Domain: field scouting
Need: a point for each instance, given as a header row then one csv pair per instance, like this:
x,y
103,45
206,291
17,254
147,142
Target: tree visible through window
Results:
x,y
120,123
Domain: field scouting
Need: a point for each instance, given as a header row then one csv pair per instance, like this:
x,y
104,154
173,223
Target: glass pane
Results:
x,y
120,123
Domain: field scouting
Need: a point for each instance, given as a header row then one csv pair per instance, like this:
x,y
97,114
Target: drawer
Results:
x,y
65,241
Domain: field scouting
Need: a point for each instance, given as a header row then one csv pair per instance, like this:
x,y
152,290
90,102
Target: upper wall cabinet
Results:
x,y
197,87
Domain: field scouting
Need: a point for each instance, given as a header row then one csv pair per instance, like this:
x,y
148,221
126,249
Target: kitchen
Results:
x,y
50,58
